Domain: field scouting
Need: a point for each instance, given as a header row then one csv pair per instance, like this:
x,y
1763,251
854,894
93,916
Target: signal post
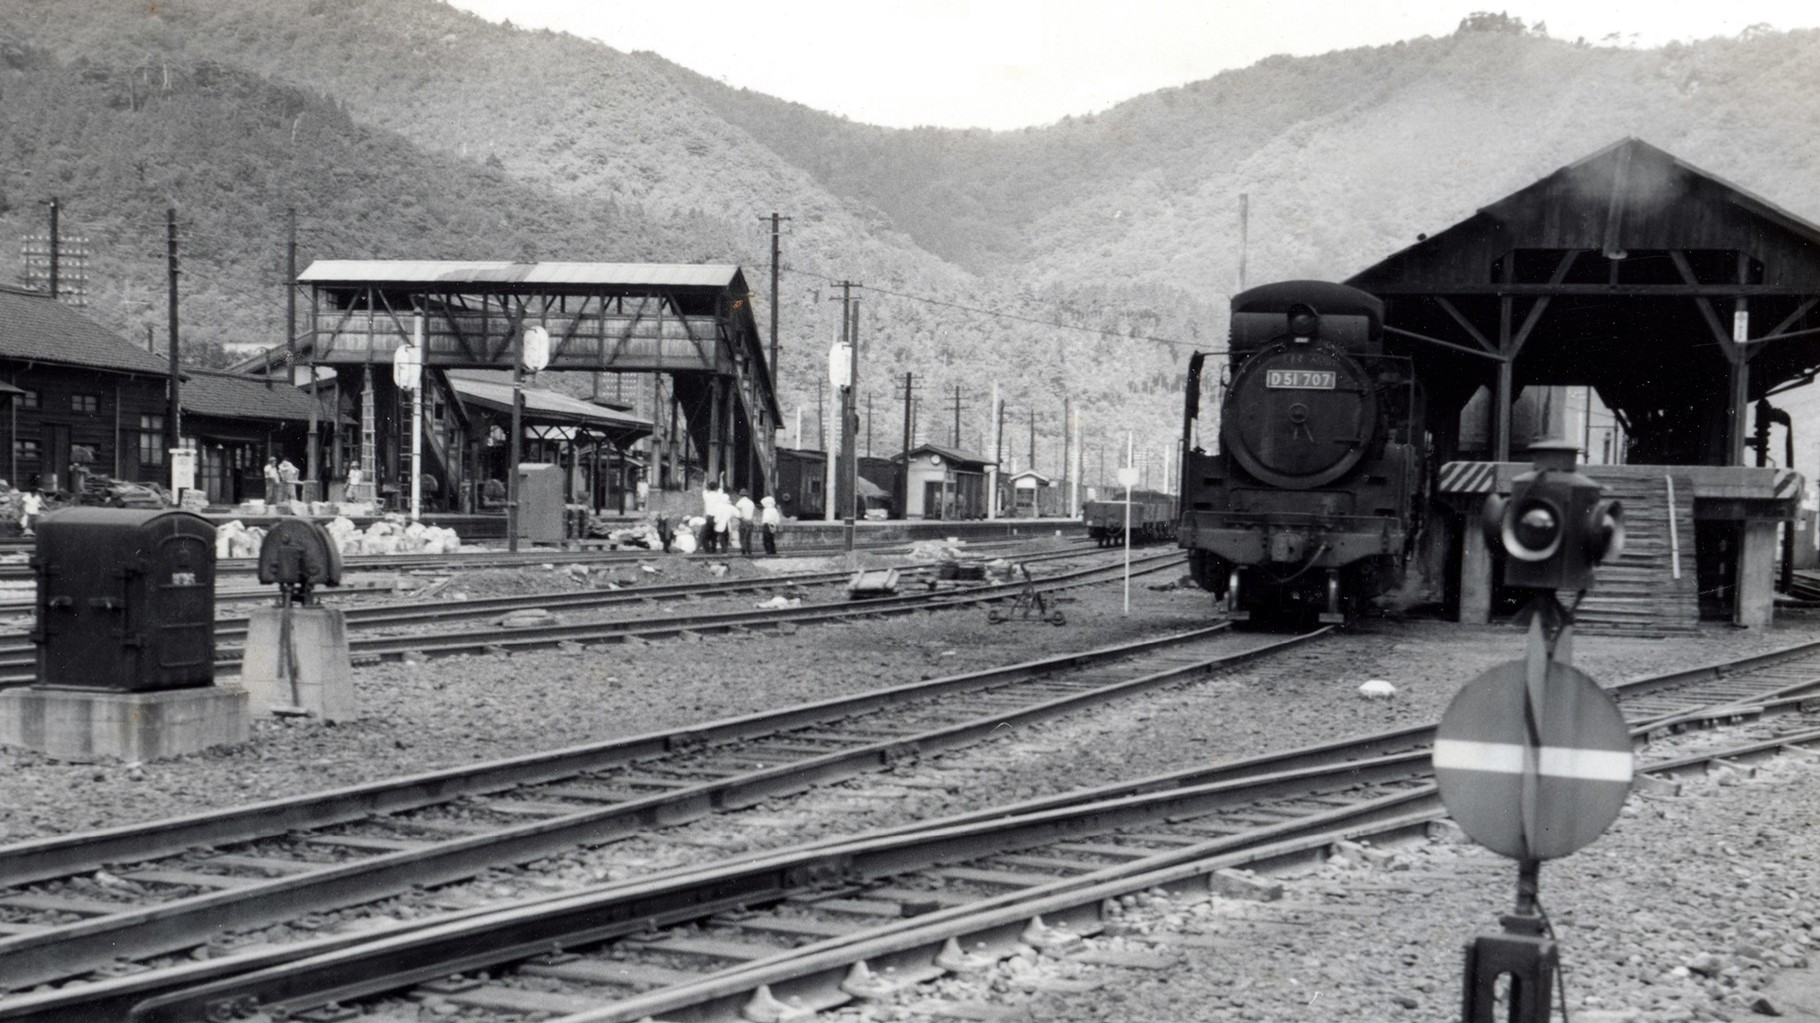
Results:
x,y
1532,758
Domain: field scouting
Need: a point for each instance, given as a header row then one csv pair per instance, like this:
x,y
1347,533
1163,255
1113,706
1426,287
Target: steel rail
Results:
x,y
503,559
687,894
537,636
13,666
37,957
1285,764
811,976
16,650
62,855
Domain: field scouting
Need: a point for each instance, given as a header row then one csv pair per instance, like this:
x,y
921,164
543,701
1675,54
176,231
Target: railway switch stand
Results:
x,y
297,656
1030,604
1532,757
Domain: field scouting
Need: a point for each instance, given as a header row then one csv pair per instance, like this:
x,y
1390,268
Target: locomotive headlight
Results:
x,y
1303,322
1532,530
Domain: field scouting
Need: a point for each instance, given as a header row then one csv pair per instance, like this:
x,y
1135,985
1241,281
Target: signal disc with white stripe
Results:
x,y
1533,782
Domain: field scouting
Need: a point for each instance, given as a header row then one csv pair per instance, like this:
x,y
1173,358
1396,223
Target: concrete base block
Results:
x,y
325,673
87,724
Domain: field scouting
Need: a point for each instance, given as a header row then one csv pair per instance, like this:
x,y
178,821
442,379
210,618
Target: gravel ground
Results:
x,y
1694,907
416,717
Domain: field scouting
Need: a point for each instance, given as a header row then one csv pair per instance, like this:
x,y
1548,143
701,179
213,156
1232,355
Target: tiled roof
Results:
x,y
951,454
230,396
37,328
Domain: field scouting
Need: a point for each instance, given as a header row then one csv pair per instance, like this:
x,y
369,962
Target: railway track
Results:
x,y
78,904
18,656
18,572
715,942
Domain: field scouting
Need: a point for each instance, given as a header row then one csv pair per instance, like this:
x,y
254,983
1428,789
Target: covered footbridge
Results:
x,y
688,328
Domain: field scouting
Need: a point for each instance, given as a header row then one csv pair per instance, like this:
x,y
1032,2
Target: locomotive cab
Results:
x,y
1305,509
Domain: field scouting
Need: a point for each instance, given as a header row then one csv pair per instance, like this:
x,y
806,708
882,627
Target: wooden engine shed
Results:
x,y
1682,301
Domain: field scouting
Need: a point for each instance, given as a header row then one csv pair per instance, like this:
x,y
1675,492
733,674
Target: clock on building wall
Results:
x,y
935,459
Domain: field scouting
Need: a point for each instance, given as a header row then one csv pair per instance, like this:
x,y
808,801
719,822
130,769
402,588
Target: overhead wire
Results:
x,y
997,313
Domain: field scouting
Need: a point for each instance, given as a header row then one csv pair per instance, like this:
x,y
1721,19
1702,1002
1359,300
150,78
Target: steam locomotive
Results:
x,y
1310,504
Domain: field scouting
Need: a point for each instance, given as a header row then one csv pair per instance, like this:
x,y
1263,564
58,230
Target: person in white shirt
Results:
x,y
712,497
724,514
30,504
746,511
770,519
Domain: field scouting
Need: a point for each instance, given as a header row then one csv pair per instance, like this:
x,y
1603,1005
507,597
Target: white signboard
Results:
x,y
183,470
536,349
407,366
840,364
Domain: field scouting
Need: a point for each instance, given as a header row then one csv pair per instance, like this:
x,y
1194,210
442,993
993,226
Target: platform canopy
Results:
x,y
1680,298
568,417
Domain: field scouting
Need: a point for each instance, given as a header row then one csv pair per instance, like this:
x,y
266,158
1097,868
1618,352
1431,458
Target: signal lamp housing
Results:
x,y
1554,530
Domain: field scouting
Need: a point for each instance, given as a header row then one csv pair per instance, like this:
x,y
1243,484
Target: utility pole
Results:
x,y
998,446
904,472
1032,465
775,220
1244,234
55,245
957,415
1080,454
175,413
868,424
852,437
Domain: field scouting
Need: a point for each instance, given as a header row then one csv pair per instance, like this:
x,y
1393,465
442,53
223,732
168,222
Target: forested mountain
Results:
x,y
404,128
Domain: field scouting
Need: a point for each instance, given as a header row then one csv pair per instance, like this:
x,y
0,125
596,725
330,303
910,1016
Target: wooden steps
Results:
x,y
1639,593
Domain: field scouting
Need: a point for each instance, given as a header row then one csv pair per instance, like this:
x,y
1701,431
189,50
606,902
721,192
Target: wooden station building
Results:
x,y
73,391
1683,301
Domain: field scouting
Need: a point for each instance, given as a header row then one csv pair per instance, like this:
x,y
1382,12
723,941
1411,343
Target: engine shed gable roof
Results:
x,y
1629,196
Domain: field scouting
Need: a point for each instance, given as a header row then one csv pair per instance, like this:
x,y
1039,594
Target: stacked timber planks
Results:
x,y
1639,594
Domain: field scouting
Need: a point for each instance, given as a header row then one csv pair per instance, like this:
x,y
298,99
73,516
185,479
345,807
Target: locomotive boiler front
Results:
x,y
1299,414
1305,506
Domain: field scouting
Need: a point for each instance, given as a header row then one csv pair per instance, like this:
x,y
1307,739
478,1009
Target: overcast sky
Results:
x,y
1013,63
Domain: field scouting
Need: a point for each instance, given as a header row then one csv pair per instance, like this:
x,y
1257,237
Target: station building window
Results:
x,y
151,440
28,399
27,450
85,404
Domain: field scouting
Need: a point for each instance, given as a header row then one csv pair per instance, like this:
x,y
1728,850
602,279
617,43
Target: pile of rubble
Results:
x,y
390,535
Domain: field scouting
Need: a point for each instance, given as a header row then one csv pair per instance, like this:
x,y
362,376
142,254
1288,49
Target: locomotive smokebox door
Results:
x,y
126,599
299,555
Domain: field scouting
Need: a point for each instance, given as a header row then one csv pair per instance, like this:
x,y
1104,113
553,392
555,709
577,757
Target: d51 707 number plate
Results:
x,y
1301,379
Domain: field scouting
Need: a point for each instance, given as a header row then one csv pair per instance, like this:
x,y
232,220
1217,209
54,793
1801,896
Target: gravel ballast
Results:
x,y
417,717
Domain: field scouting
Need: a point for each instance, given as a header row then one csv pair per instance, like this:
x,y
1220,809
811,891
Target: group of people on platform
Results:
x,y
280,481
725,516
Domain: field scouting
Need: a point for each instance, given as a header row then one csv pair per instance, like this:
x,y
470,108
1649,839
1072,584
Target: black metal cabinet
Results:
x,y
126,599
